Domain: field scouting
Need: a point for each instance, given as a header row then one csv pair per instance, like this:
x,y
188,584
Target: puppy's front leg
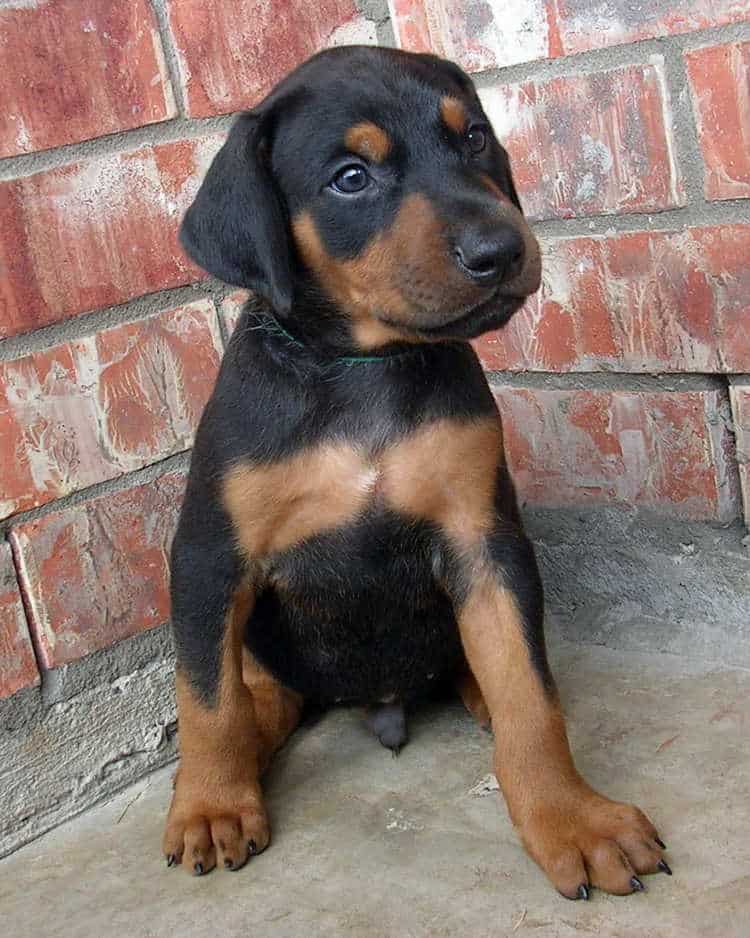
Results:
x,y
576,835
217,813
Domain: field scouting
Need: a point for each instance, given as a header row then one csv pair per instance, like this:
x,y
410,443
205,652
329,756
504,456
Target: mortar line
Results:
x,y
175,462
173,130
699,213
19,567
684,129
90,323
171,55
625,381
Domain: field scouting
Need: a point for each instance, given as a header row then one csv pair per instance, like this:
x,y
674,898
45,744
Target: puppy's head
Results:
x,y
372,178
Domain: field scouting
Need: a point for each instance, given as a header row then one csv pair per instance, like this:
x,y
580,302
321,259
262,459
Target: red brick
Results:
x,y
104,405
739,395
589,144
667,451
17,662
477,36
619,21
645,301
496,33
720,84
97,572
232,52
77,70
231,308
96,233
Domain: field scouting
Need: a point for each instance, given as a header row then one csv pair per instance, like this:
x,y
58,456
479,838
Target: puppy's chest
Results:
x,y
443,473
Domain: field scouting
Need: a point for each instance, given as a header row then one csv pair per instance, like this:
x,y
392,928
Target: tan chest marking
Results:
x,y
445,473
278,505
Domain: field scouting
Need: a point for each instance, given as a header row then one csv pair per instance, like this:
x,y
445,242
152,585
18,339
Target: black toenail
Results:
x,y
251,846
583,891
664,867
198,869
637,885
171,859
661,843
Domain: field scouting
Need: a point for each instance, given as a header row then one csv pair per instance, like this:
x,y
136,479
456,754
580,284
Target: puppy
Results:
x,y
350,531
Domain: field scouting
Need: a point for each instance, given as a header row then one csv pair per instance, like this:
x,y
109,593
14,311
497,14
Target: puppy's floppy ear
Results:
x,y
236,228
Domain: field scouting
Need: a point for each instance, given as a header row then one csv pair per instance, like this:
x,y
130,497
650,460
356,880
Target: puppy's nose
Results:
x,y
490,256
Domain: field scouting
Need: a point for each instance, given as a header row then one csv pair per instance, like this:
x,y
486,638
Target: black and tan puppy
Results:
x,y
350,531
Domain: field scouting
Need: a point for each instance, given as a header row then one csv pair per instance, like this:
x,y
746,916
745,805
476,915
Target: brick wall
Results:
x,y
625,382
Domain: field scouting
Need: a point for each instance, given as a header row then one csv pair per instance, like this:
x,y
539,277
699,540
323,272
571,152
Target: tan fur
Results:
x,y
446,472
217,807
472,697
575,834
277,709
276,505
405,274
369,141
453,113
371,333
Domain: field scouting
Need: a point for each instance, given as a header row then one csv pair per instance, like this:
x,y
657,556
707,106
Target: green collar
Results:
x,y
271,324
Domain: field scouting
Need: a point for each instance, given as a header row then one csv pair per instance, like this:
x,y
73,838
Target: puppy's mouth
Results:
x,y
488,314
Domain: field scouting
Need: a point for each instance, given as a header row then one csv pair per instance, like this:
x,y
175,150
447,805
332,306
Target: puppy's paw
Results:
x,y
214,825
592,841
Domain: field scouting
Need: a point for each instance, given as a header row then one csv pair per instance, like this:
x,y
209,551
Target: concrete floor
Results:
x,y
367,845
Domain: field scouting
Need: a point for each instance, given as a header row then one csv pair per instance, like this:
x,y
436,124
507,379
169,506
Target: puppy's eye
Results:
x,y
352,178
477,139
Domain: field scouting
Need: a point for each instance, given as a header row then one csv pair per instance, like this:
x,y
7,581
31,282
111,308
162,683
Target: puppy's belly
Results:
x,y
356,615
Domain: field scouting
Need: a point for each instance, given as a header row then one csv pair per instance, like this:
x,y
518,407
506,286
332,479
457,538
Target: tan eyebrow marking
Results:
x,y
368,140
453,113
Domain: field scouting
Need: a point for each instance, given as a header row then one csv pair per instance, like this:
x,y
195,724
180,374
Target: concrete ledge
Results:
x,y
636,582
92,729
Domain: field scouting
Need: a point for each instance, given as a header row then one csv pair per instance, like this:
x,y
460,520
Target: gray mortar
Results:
x,y
22,709
374,10
89,323
167,131
126,657
607,380
378,13
177,463
170,54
